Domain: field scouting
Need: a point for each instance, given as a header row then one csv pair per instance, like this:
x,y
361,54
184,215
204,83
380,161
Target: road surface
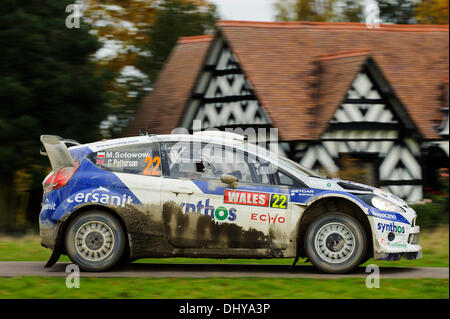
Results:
x,y
153,270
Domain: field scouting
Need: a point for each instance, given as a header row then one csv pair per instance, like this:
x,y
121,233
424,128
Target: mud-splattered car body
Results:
x,y
171,208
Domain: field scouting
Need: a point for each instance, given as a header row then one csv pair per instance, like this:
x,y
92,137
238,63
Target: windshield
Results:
x,y
282,161
296,166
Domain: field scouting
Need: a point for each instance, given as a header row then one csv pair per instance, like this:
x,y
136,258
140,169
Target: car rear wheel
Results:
x,y
335,243
95,241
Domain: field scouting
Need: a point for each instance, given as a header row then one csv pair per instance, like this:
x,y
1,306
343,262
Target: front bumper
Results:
x,y
397,256
396,240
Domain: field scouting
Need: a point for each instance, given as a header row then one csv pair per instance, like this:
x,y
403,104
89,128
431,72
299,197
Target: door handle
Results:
x,y
182,190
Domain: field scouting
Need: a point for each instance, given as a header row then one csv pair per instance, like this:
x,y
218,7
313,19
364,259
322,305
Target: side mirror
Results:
x,y
229,179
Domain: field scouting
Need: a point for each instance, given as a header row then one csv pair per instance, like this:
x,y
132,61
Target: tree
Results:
x,y
318,10
121,28
175,19
390,11
129,53
48,85
414,11
304,10
352,11
397,11
432,12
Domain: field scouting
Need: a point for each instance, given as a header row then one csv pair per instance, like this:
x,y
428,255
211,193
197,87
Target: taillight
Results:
x,y
60,178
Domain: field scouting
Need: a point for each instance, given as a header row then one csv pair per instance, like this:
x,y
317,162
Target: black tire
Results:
x,y
335,243
364,260
101,241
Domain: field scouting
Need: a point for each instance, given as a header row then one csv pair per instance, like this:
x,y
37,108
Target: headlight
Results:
x,y
381,203
385,205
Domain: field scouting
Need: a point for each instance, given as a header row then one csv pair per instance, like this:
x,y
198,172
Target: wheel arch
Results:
x,y
333,203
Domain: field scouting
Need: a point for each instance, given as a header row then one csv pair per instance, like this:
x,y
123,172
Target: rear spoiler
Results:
x,y
56,148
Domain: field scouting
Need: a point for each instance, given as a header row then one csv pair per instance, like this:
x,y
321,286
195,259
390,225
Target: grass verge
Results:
x,y
223,288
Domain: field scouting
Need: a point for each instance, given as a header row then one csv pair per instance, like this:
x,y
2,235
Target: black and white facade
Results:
x,y
223,97
367,126
370,124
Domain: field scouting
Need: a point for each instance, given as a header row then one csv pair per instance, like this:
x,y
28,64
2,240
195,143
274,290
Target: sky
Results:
x,y
250,10
253,10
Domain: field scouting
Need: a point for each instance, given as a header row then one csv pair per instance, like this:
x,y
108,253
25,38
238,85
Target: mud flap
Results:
x,y
54,257
295,261
57,250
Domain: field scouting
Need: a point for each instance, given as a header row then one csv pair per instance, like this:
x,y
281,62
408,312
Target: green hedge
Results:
x,y
436,212
431,215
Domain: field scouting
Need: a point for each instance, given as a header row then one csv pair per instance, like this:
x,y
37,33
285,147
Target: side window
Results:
x,y
286,180
268,173
205,161
263,170
142,159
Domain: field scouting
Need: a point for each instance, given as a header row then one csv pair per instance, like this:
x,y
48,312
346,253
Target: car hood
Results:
x,y
354,188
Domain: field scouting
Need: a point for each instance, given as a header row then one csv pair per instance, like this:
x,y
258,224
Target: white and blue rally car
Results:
x,y
211,194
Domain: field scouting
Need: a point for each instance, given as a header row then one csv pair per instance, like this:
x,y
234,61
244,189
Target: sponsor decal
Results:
x,y
392,227
302,192
392,245
396,245
384,215
268,218
246,198
255,199
219,213
102,145
104,198
49,205
397,217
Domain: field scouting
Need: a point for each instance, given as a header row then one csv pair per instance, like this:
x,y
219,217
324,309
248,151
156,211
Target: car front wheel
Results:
x,y
95,241
335,243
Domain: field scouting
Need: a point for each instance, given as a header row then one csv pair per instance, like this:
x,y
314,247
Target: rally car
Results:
x,y
211,194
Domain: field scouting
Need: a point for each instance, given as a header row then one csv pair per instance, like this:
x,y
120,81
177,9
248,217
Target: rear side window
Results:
x,y
142,159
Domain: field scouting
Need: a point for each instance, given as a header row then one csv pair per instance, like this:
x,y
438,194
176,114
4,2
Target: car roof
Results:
x,y
222,138
232,140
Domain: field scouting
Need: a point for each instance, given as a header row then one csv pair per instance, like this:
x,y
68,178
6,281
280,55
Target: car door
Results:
x,y
203,212
192,197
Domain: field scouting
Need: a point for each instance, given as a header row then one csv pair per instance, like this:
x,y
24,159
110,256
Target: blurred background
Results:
x,y
98,69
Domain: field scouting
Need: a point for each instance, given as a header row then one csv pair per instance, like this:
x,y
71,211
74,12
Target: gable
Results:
x,y
223,96
363,103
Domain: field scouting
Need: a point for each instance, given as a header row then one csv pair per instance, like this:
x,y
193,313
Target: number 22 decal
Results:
x,y
151,169
278,201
